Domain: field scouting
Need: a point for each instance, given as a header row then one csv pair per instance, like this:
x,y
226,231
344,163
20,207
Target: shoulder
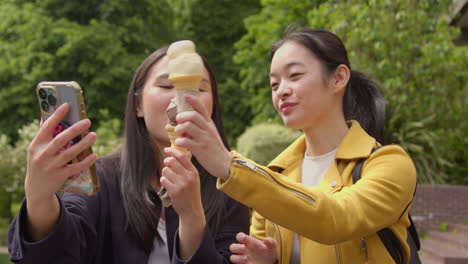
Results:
x,y
392,151
391,161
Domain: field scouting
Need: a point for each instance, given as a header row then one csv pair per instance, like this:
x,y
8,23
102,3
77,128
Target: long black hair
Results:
x,y
362,98
141,160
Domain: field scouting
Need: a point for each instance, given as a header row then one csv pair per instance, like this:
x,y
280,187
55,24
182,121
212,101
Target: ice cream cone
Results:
x,y
185,71
173,137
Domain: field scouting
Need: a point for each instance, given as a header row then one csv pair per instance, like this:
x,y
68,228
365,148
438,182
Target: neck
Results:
x,y
326,136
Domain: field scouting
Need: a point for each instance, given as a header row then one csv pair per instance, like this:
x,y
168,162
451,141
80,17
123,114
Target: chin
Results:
x,y
292,124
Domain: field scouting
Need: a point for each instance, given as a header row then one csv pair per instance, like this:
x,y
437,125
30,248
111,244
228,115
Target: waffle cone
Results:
x,y
186,82
173,137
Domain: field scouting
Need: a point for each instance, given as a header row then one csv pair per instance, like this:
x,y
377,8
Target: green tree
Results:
x,y
406,46
215,26
98,44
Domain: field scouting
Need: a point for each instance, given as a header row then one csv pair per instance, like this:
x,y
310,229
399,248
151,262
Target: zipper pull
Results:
x,y
364,248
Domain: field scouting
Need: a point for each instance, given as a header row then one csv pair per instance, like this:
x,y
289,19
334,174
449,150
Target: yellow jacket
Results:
x,y
336,221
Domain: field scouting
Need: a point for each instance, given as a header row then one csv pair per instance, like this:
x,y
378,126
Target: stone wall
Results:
x,y
436,204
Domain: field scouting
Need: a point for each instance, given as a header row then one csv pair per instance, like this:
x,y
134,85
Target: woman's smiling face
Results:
x,y
300,92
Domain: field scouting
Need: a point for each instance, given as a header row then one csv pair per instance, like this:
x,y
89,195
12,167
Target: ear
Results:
x,y
340,78
139,108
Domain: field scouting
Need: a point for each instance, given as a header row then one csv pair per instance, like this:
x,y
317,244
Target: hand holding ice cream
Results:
x,y
185,72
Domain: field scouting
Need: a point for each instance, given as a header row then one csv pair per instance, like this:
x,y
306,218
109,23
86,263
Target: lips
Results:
x,y
287,107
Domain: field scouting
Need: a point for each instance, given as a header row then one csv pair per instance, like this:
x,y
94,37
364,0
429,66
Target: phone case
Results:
x,y
51,95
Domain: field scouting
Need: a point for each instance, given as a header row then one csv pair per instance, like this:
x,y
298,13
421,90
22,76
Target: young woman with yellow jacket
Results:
x,y
306,207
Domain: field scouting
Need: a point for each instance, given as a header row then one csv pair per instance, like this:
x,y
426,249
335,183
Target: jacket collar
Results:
x,y
356,144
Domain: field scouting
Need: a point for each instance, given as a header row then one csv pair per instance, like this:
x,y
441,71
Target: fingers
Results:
x,y
47,128
238,259
79,166
67,135
72,152
183,158
165,180
270,243
192,117
247,240
238,249
197,105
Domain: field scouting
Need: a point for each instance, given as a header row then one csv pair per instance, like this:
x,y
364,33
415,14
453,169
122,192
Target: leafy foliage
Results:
x,y
215,33
97,45
108,136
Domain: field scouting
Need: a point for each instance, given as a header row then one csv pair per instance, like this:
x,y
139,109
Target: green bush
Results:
x,y
108,135
263,142
4,226
4,259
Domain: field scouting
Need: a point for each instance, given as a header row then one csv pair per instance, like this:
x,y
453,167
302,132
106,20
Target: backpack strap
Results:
x,y
358,168
388,238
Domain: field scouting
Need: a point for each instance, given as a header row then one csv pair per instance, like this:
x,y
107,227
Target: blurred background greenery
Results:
x,y
405,45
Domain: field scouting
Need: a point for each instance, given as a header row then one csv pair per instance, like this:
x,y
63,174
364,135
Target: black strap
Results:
x,y
388,238
358,168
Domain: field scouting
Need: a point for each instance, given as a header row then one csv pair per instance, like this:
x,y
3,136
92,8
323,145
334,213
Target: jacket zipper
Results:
x,y
257,169
280,242
364,249
337,254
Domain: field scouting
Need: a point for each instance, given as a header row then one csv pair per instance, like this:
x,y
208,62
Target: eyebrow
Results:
x,y
287,66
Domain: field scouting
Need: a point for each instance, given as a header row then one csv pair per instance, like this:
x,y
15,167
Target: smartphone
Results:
x,y
51,95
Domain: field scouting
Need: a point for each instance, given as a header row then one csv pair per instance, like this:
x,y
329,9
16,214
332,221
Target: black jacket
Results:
x,y
91,229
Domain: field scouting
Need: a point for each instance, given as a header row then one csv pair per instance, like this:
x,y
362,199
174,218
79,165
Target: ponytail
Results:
x,y
363,102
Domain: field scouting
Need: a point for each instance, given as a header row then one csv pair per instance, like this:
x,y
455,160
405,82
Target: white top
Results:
x,y
160,253
313,170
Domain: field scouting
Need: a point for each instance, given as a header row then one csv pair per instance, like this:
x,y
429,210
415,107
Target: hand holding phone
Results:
x,y
65,134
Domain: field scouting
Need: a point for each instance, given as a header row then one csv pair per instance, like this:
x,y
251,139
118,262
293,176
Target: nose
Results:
x,y
284,90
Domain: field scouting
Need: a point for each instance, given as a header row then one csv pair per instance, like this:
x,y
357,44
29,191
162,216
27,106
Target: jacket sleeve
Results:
x,y
214,248
374,202
73,239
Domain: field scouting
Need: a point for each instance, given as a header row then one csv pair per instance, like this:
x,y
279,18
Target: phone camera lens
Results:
x,y
45,106
51,99
42,94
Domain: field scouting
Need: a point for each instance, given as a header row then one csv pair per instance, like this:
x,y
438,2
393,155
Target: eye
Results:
x,y
295,75
274,86
166,86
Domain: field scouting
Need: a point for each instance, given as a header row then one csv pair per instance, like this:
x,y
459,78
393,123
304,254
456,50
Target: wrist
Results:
x,y
194,217
38,203
226,167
